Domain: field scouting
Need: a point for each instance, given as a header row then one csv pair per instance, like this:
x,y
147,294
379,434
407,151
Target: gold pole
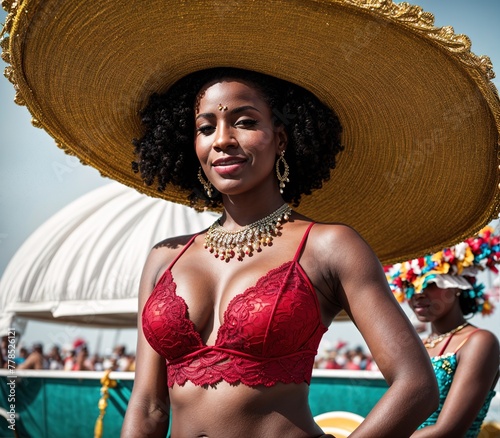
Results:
x,y
106,383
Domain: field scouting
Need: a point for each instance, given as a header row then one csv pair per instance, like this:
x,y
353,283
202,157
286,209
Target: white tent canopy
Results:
x,y
84,264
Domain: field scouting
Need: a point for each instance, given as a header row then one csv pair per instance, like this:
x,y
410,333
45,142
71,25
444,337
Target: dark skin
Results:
x,y
331,259
478,361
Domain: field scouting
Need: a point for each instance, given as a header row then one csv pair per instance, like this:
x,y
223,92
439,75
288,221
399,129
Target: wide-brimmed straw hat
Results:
x,y
420,115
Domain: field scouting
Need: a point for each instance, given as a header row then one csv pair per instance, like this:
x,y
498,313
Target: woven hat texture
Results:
x,y
420,114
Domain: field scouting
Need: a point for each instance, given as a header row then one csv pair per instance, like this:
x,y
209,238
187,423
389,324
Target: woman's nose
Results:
x,y
420,296
224,137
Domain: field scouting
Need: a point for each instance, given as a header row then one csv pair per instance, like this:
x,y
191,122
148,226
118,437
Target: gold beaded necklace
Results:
x,y
433,340
228,244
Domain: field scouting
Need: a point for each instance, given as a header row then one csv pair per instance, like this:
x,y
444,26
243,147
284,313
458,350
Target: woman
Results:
x,y
239,360
242,328
442,290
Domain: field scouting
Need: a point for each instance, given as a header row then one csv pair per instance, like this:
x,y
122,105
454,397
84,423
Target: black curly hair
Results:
x,y
166,154
470,300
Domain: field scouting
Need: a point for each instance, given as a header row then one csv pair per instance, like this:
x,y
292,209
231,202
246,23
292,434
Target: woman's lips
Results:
x,y
225,166
421,309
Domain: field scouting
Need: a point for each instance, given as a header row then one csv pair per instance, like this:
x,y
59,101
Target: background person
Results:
x,y
35,360
55,359
442,290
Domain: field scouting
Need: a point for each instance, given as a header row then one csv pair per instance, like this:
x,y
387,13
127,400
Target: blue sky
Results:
x,y
37,179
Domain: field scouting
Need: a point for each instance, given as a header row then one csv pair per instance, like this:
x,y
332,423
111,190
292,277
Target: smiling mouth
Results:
x,y
422,310
420,304
228,162
228,167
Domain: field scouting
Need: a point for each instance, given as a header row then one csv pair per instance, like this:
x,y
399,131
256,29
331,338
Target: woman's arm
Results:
x,y
148,408
477,369
362,290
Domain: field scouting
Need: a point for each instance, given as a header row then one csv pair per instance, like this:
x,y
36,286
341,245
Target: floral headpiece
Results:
x,y
452,267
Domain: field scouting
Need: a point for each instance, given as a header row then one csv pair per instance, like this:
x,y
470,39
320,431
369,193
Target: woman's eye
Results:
x,y
205,129
246,123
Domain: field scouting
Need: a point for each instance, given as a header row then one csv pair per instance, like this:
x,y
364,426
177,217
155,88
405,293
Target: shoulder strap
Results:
x,y
466,339
302,242
445,344
186,246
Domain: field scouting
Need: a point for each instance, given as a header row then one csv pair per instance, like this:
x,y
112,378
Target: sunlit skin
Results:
x,y
237,148
478,360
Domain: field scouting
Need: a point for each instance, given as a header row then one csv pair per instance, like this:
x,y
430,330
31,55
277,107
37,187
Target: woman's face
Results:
x,y
434,303
235,139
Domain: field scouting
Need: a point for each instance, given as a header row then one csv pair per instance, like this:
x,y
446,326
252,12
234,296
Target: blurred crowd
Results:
x,y
74,357
342,357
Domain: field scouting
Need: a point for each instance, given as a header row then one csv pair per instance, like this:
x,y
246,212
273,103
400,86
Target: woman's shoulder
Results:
x,y
173,243
482,337
480,341
338,238
339,248
480,353
163,253
335,233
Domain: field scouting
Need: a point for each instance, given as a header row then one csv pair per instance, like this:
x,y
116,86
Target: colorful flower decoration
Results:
x,y
466,259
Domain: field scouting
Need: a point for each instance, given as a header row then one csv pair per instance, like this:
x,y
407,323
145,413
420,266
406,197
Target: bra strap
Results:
x,y
445,345
466,339
186,246
302,242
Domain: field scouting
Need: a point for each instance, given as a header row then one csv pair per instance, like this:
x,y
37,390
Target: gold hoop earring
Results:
x,y
282,178
207,185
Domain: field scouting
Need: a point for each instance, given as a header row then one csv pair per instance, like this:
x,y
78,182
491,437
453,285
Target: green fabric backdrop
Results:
x,y
62,408
57,408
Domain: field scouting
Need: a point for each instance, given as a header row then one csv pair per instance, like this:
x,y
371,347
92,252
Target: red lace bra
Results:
x,y
270,332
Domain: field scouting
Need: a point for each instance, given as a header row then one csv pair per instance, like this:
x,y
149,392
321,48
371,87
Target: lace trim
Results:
x,y
213,367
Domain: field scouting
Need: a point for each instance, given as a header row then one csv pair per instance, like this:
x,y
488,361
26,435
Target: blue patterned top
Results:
x,y
444,368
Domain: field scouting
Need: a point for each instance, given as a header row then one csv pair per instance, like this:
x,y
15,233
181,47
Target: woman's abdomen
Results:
x,y
225,410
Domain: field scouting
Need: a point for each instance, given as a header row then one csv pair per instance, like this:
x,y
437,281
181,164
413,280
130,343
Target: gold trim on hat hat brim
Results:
x,y
420,115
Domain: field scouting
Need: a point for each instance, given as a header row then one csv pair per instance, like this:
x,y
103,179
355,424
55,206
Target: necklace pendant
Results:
x,y
433,340
227,245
